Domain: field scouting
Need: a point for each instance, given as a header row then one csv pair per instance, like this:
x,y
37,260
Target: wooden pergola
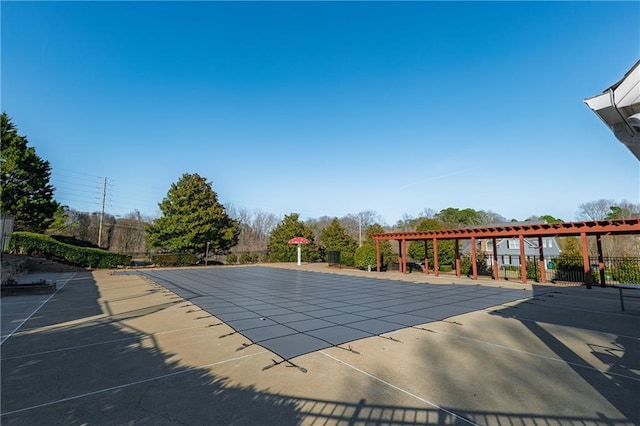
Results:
x,y
565,229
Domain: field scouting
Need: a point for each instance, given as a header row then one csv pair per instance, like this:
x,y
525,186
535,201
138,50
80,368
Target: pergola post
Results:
x,y
378,255
435,257
585,260
496,268
456,247
404,256
600,260
400,256
523,261
426,257
543,268
474,264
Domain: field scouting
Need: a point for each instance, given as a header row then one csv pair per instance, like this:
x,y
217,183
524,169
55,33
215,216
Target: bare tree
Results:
x,y
255,228
613,245
318,225
355,224
428,213
128,234
264,223
487,217
407,223
594,210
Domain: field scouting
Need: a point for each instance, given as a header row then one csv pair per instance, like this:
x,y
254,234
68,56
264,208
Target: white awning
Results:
x,y
617,104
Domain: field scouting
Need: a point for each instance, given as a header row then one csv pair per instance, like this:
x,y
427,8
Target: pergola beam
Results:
x,y
565,229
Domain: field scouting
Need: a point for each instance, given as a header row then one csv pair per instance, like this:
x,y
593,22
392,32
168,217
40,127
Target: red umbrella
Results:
x,y
299,241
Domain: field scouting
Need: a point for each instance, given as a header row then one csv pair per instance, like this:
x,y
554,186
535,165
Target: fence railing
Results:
x,y
561,269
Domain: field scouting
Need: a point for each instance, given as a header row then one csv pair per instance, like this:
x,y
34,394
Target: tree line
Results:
x,y
194,221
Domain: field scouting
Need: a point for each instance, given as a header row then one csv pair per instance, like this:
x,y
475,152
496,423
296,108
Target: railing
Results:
x,y
617,270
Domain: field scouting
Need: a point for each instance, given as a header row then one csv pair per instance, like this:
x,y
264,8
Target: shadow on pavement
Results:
x,y
73,364
591,311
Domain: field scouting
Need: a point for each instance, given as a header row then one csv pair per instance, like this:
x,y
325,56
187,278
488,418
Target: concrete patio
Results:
x,y
122,349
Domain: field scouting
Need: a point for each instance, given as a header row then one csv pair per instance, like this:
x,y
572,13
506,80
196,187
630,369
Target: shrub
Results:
x,y
481,266
232,259
446,268
569,268
533,270
42,245
465,266
174,259
364,256
347,258
248,258
627,271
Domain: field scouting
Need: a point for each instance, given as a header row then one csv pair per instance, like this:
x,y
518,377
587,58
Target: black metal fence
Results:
x,y
570,270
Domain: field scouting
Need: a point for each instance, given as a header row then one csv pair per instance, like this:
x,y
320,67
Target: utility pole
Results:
x,y
359,230
104,196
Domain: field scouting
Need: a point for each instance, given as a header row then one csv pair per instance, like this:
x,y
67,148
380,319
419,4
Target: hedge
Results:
x,y
42,245
174,259
627,271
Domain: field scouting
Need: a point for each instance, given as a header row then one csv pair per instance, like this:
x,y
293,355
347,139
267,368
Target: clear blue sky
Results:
x,y
324,108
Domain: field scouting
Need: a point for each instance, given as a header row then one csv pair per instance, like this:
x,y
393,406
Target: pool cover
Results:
x,y
292,312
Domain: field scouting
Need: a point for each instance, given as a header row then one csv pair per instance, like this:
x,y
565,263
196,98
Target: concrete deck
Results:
x,y
112,349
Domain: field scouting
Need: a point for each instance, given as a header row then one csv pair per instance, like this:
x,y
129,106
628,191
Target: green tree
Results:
x,y
550,219
386,252
191,218
279,248
335,238
61,223
26,192
623,210
446,249
456,217
571,248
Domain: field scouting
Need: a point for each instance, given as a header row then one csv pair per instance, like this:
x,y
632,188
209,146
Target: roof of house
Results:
x,y
616,104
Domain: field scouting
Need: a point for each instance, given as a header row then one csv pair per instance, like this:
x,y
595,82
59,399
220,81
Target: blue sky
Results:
x,y
324,108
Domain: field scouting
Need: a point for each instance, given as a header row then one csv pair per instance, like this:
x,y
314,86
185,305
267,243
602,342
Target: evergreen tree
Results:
x,y
26,192
335,238
279,248
191,218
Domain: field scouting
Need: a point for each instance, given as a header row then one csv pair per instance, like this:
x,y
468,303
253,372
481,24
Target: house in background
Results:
x,y
508,249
